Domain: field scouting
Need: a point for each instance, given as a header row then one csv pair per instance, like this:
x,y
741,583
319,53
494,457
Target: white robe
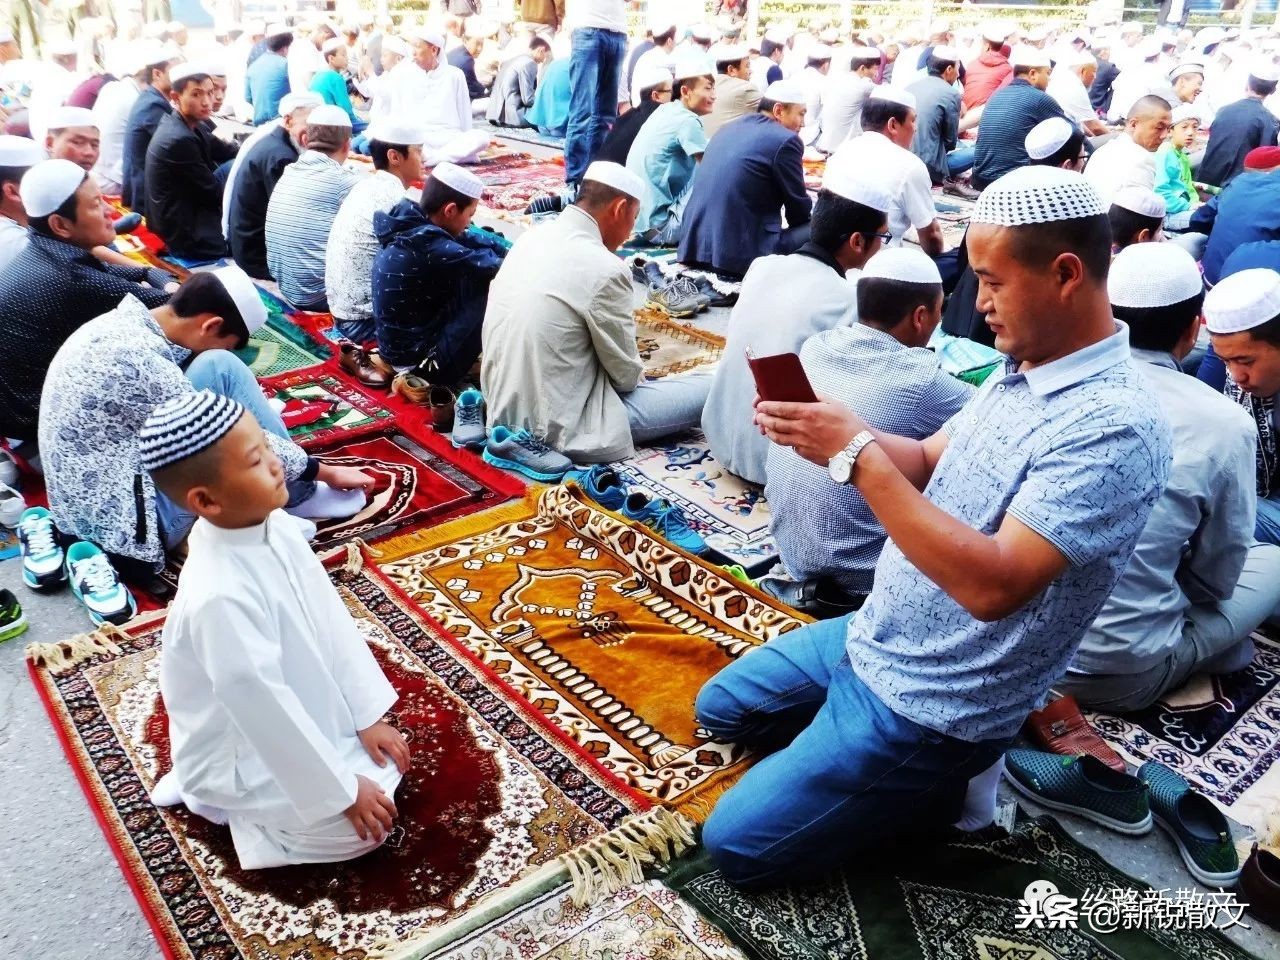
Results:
x,y
439,99
267,681
304,62
111,111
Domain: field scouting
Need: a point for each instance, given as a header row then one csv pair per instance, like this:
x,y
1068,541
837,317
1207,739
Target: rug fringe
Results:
x,y
607,864
65,654
697,806
397,548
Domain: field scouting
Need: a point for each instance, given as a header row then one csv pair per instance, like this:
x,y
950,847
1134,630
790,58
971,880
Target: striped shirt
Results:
x,y
1006,120
299,218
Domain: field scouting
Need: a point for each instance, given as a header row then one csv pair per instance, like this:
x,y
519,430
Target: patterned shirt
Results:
x,y
102,385
300,216
1077,450
897,389
348,272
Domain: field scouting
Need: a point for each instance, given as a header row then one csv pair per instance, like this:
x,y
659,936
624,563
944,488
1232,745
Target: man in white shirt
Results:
x,y
844,98
813,78
1069,85
883,155
111,114
17,156
427,87
305,59
51,86
1130,159
376,85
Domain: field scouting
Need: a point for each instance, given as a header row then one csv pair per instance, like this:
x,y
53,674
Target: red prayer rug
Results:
x,y
494,799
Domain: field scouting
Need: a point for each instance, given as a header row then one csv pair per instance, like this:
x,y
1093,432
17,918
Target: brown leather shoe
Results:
x,y
375,360
355,361
442,405
412,387
1061,728
1259,886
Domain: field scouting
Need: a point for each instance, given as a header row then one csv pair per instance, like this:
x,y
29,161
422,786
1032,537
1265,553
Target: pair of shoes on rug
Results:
x,y
46,566
13,621
1130,804
367,366
521,451
604,485
415,388
959,188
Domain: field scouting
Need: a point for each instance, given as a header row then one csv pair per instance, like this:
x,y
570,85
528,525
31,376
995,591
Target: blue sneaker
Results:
x,y
665,519
468,420
602,485
95,584
42,556
524,453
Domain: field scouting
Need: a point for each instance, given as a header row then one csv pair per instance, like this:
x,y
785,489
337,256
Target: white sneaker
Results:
x,y
12,506
8,469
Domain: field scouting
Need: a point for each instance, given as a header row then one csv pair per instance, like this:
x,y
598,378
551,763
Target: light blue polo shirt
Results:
x,y
662,155
1079,451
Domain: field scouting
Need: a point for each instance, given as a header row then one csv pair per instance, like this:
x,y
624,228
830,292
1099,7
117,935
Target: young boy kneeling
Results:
x,y
274,700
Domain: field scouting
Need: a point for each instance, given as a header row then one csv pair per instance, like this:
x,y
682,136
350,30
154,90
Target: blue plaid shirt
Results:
x,y
1077,450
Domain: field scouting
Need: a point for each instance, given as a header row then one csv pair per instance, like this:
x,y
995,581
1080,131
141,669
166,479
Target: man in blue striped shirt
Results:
x,y
1009,116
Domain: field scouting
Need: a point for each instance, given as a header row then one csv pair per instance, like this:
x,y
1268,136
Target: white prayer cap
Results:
x,y
398,130
60,118
215,69
333,44
1076,58
1153,275
777,35
6,35
701,31
392,44
1149,48
819,52
1025,55
154,30
1140,200
185,425
255,27
65,47
142,54
184,70
48,184
997,31
944,52
651,75
617,176
864,53
902,263
464,181
893,94
693,64
1038,32
1185,68
1187,111
1243,301
1131,26
278,30
660,24
785,91
732,53
292,102
1037,194
244,295
843,182
19,151
1048,137
327,115
1265,69
481,28
432,36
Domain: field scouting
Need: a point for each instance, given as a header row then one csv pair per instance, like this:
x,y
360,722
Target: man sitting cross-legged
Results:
x,y
1008,529
104,382
878,367
1198,584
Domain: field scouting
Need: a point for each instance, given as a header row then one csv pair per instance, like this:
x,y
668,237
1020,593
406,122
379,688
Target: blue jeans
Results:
x,y
851,774
1267,527
960,160
226,375
595,70
662,408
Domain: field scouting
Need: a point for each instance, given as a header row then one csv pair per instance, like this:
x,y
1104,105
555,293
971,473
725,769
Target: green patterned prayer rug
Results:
x,y
280,346
964,900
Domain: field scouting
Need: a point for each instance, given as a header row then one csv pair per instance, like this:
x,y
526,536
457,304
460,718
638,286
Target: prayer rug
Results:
x,y
729,513
320,408
9,546
280,345
602,625
1222,733
669,347
980,899
530,135
495,797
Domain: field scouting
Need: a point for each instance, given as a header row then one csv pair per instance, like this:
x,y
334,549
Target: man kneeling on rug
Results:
x,y
1007,530
275,702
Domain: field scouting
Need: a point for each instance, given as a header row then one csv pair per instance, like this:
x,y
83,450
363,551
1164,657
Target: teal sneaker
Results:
x,y
521,451
602,485
1198,828
1083,785
95,584
12,620
660,516
43,562
468,421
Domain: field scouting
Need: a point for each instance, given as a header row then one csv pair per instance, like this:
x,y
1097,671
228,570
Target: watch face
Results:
x,y
840,468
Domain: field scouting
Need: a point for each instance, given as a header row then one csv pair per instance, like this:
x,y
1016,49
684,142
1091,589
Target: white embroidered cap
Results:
x,y
943,52
1140,200
819,52
732,53
19,151
244,295
901,263
1048,137
48,185
1029,56
893,94
299,101
1153,275
1037,194
693,63
617,176
327,115
785,91
399,130
465,182
60,118
1243,301
185,425
997,31
845,182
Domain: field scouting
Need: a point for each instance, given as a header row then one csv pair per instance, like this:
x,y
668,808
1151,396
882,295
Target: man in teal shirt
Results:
x,y
667,150
331,83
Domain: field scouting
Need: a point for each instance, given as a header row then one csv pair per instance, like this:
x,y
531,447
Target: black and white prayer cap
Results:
x,y
292,102
61,118
617,176
892,94
328,115
244,294
1048,137
901,263
1037,194
1142,201
785,91
399,130
1029,56
48,185
464,181
185,425
1153,275
1243,301
18,152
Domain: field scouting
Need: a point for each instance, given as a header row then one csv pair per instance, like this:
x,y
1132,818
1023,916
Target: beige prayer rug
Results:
x,y
602,625
669,347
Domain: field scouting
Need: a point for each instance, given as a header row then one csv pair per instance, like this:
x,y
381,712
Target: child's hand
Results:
x,y
373,813
383,740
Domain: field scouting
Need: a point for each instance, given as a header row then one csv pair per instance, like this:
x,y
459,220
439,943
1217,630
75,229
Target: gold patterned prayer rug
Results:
x,y
668,347
605,627
495,798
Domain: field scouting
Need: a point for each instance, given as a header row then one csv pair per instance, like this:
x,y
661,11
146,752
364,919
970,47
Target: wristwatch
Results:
x,y
841,465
